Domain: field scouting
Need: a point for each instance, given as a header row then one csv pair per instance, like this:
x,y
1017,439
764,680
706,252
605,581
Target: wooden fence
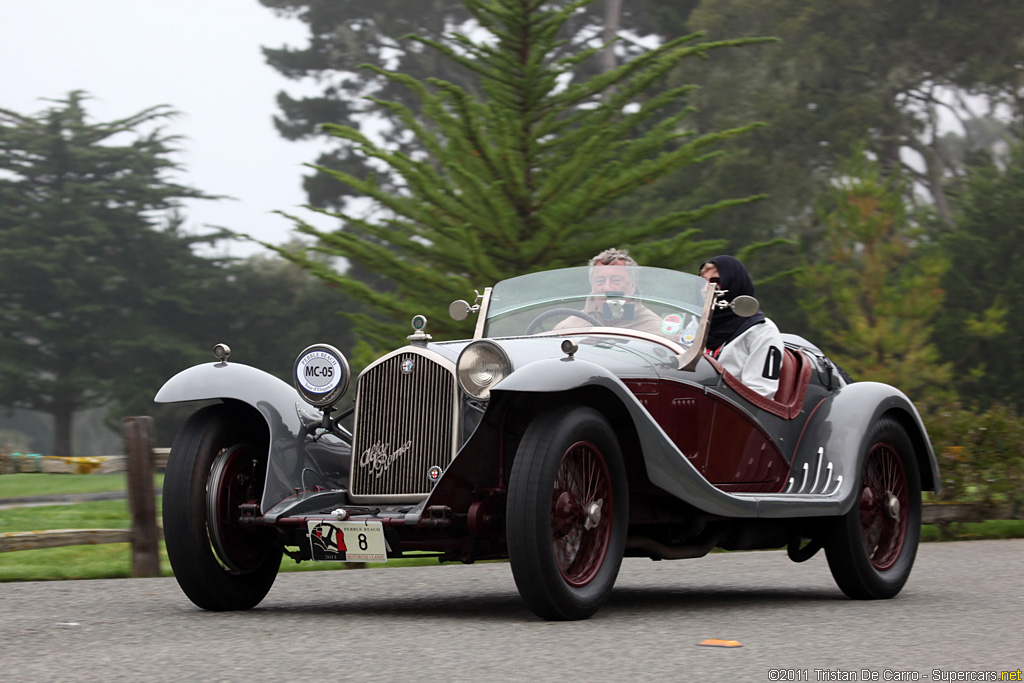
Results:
x,y
139,463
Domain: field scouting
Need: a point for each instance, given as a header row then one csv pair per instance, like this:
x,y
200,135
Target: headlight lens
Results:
x,y
321,375
481,365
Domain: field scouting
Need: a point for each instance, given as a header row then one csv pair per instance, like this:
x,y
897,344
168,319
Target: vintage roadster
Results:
x,y
560,439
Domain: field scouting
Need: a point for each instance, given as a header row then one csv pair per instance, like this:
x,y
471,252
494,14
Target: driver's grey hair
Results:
x,y
610,256
615,256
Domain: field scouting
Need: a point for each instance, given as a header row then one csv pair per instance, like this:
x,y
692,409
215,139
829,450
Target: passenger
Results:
x,y
613,281
750,349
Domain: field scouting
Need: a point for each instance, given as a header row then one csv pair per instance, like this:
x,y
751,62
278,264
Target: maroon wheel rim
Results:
x,y
884,506
234,481
581,513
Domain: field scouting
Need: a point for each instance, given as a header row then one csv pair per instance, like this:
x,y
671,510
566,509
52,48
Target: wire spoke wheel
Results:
x,y
884,503
580,531
567,513
871,549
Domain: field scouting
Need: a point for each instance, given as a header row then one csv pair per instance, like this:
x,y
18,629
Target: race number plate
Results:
x,y
347,541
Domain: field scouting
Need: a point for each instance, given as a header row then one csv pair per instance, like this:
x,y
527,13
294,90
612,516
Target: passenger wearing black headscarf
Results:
x,y
748,348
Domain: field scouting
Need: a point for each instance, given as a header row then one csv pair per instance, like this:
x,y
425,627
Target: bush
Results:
x,y
981,457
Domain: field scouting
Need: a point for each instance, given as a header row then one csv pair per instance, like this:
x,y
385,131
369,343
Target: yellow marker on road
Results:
x,y
714,642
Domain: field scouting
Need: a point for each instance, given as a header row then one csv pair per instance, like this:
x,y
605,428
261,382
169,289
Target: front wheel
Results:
x,y
567,513
872,547
217,463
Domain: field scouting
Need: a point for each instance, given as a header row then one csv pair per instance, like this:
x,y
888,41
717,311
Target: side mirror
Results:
x,y
459,310
745,306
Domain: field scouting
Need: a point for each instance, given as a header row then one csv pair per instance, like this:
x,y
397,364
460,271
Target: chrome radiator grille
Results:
x,y
405,421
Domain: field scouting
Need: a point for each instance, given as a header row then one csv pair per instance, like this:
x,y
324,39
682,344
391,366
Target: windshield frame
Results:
x,y
686,355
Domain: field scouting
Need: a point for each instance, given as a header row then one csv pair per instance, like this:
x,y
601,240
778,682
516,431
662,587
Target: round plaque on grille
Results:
x,y
321,374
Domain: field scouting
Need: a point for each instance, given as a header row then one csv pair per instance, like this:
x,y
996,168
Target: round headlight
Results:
x,y
321,375
481,365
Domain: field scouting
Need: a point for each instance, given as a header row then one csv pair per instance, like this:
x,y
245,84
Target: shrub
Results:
x,y
981,456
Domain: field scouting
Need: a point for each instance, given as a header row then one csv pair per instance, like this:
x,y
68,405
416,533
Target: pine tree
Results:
x,y
873,296
346,33
520,177
92,295
979,331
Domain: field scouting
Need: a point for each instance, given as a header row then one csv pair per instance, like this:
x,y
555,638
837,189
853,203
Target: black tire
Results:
x,y
239,573
567,513
871,549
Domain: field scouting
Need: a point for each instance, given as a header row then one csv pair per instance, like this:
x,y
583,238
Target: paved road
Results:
x,y
961,611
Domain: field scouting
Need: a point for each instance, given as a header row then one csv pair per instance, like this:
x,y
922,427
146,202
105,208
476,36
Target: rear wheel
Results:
x,y
217,464
567,513
872,547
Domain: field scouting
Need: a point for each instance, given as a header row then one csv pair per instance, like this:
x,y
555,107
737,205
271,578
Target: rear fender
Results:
x,y
835,440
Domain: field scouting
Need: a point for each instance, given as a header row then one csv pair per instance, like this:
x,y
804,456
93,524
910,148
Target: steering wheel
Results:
x,y
535,325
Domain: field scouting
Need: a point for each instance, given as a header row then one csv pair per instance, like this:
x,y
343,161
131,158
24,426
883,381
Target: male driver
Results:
x,y
613,282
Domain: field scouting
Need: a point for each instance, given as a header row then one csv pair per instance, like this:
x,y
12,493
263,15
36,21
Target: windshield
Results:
x,y
663,302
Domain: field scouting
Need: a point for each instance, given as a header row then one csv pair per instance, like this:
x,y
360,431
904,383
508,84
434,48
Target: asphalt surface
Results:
x,y
960,612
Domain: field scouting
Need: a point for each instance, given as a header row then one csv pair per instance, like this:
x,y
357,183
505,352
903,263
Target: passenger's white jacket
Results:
x,y
755,358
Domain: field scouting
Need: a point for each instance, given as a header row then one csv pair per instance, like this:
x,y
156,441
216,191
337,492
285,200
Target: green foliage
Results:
x,y
978,331
874,293
264,308
980,455
854,70
519,178
344,34
92,294
995,529
895,74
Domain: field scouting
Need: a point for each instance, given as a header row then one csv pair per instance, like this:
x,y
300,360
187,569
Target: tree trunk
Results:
x,y
612,22
62,420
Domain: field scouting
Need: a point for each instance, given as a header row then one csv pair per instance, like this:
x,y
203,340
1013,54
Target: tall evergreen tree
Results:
x,y
519,177
92,293
873,300
897,75
979,331
343,34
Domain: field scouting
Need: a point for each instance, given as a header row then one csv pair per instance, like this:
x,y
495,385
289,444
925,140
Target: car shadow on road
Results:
x,y
712,598
508,606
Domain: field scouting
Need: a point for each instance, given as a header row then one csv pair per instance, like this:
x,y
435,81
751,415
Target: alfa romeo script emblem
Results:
x,y
407,366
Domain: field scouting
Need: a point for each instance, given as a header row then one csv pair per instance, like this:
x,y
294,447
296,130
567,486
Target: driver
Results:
x,y
613,281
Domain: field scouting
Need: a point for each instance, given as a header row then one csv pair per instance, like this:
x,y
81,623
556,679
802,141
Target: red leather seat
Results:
x,y
794,377
788,376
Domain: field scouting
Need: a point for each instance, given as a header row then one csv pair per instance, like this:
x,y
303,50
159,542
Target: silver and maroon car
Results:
x,y
563,436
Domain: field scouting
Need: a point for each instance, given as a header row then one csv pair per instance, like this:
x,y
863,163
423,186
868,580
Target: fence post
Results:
x,y
138,442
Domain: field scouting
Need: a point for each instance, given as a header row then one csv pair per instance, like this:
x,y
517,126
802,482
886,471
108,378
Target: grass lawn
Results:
x,y
24,485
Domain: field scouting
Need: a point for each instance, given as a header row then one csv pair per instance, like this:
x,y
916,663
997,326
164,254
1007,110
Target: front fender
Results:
x,y
666,466
277,402
230,380
562,374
